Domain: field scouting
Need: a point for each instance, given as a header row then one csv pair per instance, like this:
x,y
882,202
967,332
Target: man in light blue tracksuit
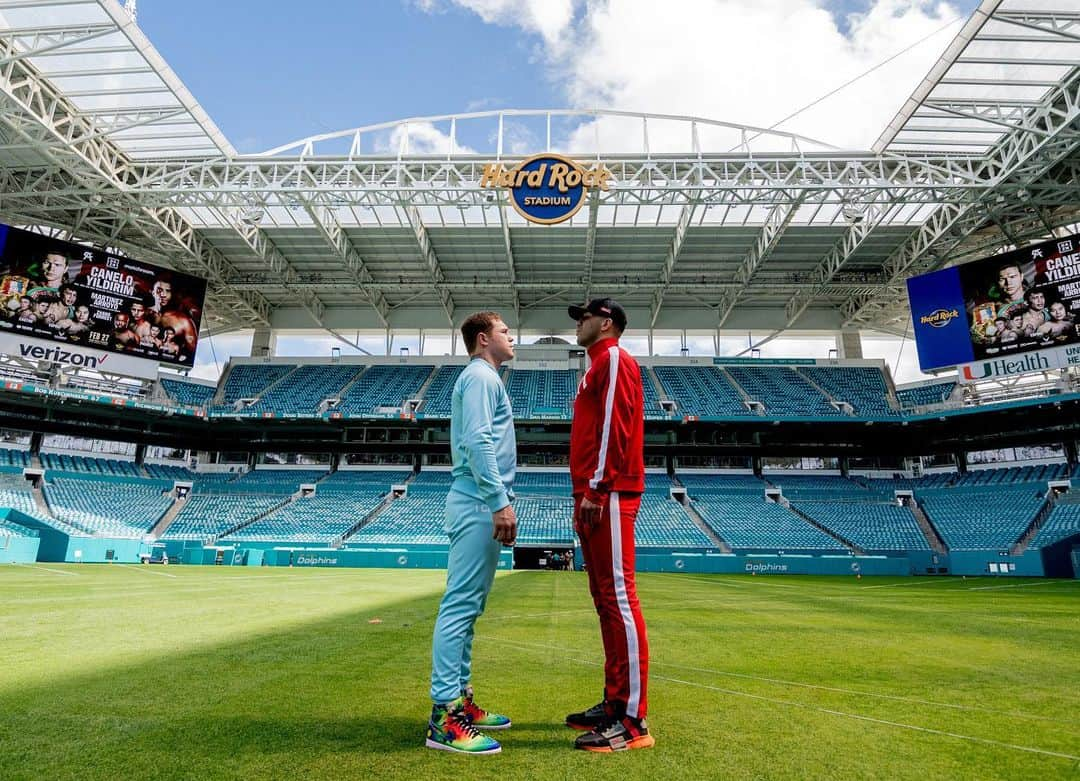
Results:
x,y
479,520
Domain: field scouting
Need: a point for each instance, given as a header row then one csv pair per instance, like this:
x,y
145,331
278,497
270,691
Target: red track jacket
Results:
x,y
607,435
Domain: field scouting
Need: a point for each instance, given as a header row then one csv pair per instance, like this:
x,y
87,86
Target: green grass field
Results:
x,y
114,671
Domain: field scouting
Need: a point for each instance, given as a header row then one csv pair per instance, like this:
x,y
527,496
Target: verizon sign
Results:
x,y
76,357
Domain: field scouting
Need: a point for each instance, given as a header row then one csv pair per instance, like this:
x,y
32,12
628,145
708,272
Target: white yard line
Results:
x,y
139,568
1023,585
46,569
785,682
873,720
915,583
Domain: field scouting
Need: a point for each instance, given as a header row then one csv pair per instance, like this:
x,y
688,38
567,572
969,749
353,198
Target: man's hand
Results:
x,y
505,521
588,513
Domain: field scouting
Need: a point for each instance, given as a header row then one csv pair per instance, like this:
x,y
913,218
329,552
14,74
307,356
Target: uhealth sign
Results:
x,y
546,188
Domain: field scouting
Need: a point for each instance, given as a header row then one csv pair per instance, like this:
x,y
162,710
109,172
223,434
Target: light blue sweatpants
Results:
x,y
470,571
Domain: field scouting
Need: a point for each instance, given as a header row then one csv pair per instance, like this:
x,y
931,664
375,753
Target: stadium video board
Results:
x,y
1014,312
90,304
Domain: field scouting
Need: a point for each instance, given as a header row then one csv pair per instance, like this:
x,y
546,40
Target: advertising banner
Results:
x,y
74,356
79,297
1024,301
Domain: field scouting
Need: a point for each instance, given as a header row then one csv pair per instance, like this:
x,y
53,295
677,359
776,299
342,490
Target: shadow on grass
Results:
x,y
333,698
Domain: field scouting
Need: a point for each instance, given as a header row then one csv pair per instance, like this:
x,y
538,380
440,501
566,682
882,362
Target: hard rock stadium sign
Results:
x,y
546,188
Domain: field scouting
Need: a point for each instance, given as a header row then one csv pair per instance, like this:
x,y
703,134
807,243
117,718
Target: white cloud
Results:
x,y
420,138
547,18
744,61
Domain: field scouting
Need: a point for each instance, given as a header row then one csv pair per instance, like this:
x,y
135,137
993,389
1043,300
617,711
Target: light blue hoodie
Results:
x,y
482,441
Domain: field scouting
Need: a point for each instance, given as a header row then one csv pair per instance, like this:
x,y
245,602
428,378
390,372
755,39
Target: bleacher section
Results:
x,y
922,395
863,387
301,392
319,518
188,392
15,493
89,465
802,486
416,519
345,480
542,483
206,516
701,390
653,410
440,392
383,386
268,481
969,517
662,521
246,381
873,526
112,508
545,520
706,484
747,523
542,393
1038,473
784,392
10,457
1063,521
169,472
797,391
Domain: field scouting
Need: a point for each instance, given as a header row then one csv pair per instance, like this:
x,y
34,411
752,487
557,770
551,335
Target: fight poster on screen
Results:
x,y
69,293
1017,302
1024,300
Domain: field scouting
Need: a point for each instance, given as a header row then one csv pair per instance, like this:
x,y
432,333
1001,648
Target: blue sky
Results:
x,y
350,64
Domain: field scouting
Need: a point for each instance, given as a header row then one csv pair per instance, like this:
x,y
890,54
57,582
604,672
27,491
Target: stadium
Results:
x,y
846,574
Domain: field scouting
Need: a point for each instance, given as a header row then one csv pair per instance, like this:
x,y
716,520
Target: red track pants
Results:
x,y
608,549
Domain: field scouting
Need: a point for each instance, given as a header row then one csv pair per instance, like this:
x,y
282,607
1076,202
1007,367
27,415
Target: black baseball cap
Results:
x,y
604,307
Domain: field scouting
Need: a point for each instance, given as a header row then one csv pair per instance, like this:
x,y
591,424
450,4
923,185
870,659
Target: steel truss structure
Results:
x,y
708,225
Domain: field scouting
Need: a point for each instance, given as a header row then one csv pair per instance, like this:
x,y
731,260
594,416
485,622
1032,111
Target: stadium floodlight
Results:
x,y
852,214
252,215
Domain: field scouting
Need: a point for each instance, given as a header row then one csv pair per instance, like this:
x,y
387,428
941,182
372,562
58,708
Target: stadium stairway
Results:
x,y
339,541
707,530
848,410
248,521
936,543
746,397
342,393
421,392
169,516
1036,523
822,528
39,501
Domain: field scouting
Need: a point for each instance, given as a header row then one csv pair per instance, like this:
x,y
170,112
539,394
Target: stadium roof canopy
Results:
x,y
708,225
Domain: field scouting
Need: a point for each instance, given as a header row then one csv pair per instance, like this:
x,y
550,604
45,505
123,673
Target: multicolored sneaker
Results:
x,y
479,717
617,735
591,718
449,729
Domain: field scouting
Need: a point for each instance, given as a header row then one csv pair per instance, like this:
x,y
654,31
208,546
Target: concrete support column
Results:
x,y
36,439
140,454
1070,452
845,466
848,344
961,461
262,343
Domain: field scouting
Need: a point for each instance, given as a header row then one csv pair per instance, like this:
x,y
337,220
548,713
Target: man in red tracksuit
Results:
x,y
607,467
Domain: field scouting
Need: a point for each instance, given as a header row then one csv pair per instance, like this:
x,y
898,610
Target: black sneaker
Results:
x,y
600,713
617,734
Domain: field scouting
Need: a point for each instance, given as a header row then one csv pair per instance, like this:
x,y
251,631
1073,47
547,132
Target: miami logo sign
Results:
x,y
546,188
